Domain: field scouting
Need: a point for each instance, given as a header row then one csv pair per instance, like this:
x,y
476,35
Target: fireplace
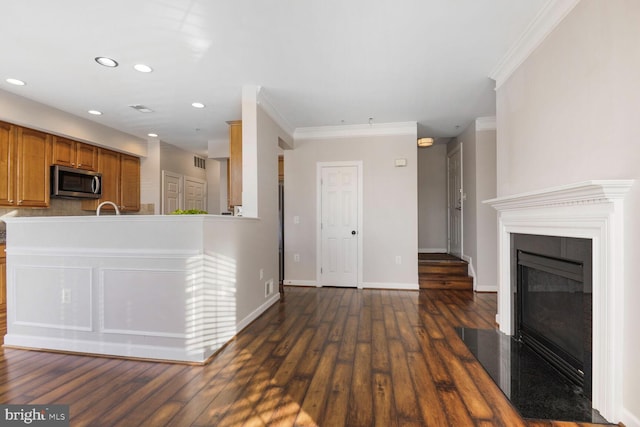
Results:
x,y
591,210
553,303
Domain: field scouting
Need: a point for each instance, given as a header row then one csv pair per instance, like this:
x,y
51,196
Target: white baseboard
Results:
x,y
365,285
258,311
109,348
486,288
387,285
301,283
471,271
629,419
432,250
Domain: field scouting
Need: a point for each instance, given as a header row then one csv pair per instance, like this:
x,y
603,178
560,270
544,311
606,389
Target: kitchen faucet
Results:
x,y
107,203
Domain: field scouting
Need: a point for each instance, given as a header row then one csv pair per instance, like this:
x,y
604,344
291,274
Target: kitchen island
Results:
x,y
174,287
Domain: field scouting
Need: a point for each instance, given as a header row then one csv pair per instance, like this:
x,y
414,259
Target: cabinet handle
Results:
x,y
20,202
11,201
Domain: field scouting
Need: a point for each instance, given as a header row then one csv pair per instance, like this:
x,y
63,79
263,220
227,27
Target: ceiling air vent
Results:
x,y
141,108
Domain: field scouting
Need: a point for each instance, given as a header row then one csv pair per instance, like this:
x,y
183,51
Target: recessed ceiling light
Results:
x,y
143,68
107,62
197,105
16,82
152,135
95,112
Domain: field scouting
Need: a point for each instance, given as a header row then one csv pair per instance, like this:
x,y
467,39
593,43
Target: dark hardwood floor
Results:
x,y
323,357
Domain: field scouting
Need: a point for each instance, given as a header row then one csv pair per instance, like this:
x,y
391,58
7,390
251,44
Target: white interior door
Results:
x,y
195,193
454,171
171,192
339,206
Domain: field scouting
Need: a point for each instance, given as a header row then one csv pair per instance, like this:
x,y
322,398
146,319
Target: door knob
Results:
x,y
354,232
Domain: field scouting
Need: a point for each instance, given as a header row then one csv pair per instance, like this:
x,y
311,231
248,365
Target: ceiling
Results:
x,y
319,62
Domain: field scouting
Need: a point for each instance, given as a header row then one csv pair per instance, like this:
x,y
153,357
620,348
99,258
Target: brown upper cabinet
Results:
x,y
120,182
24,166
129,183
74,154
235,163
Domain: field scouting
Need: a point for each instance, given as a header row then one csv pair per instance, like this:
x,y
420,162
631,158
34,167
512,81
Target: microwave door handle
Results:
x,y
95,185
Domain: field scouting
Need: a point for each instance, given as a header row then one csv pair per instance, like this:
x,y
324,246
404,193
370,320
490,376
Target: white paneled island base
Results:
x,y
159,287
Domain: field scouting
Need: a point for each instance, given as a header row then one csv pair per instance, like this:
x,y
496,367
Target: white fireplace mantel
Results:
x,y
592,210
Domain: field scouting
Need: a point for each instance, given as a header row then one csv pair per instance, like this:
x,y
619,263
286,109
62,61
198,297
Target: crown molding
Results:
x,y
485,123
347,131
552,13
271,111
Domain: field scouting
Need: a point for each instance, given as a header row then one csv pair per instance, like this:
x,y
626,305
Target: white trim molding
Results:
x,y
394,286
432,250
486,123
350,131
592,210
302,283
553,12
272,112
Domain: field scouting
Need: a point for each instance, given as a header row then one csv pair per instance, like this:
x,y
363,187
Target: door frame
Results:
x,y
319,166
455,151
186,178
180,177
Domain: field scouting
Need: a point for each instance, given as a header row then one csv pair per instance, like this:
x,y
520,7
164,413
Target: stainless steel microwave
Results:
x,y
75,183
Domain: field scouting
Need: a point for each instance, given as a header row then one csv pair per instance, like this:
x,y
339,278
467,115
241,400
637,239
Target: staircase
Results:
x,y
443,271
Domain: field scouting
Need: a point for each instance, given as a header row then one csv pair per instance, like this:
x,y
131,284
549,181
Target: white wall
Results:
x,y
214,187
263,253
480,244
569,113
390,208
486,216
150,179
175,159
432,198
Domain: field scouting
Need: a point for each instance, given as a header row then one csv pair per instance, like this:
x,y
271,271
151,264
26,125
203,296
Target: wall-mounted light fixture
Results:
x,y
425,142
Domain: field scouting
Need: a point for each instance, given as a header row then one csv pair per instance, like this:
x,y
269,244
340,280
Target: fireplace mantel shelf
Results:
x,y
572,194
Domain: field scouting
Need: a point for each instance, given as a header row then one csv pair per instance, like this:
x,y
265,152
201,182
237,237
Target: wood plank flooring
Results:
x,y
322,357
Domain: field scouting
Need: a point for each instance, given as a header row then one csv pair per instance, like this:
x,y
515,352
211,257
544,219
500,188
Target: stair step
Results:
x,y
454,268
445,281
443,271
437,256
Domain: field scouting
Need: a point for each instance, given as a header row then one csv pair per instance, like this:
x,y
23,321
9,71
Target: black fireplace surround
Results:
x,y
552,301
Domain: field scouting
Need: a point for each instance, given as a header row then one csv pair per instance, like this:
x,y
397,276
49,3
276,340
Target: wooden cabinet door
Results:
x,y
33,159
235,163
86,157
129,183
64,152
7,162
109,166
120,182
74,154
